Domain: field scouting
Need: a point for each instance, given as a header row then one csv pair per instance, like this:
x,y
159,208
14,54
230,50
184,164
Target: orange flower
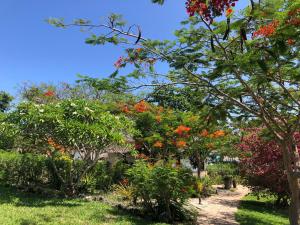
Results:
x,y
181,144
141,106
204,133
219,133
267,30
158,144
181,130
229,12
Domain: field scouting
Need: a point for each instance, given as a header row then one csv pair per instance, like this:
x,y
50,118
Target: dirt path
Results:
x,y
219,209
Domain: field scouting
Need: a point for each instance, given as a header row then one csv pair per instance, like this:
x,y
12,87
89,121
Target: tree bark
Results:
x,y
291,163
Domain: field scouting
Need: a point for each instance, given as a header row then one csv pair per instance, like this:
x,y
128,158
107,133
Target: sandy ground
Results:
x,y
219,209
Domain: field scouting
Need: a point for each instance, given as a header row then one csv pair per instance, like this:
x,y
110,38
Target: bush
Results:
x,y
162,189
32,170
262,165
22,169
220,171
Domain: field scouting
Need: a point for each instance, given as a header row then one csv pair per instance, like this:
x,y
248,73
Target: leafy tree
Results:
x,y
5,100
248,61
262,164
74,131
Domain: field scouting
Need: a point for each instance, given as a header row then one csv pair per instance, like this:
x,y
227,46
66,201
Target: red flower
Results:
x,y
229,12
267,30
49,93
182,130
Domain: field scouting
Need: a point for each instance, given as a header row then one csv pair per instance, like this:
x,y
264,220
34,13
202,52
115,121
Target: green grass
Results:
x,y
260,212
18,208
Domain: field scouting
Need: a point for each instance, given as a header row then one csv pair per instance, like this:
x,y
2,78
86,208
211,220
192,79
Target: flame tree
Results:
x,y
249,60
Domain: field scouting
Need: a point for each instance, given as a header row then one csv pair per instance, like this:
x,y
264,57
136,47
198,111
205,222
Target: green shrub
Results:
x,y
28,170
218,171
162,189
22,169
104,175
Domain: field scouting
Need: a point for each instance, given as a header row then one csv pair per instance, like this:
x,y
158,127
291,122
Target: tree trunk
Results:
x,y
291,164
294,211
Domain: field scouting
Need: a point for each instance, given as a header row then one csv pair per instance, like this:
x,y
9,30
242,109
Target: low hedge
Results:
x,y
31,170
22,169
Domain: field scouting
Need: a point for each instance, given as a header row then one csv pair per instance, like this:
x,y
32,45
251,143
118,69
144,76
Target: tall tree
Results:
x,y
248,60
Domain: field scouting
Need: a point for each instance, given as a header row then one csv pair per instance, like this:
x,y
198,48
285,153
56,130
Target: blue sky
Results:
x,y
32,50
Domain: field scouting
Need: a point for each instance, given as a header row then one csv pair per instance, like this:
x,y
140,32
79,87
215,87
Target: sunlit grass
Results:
x,y
27,209
260,212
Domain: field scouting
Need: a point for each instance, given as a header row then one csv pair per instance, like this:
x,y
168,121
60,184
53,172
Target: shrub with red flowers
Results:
x,y
262,165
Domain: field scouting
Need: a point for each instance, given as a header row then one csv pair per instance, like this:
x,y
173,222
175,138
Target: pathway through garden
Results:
x,y
219,209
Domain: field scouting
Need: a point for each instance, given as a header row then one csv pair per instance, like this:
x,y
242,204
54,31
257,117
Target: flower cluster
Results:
x,y
182,130
216,134
181,144
267,30
208,11
141,106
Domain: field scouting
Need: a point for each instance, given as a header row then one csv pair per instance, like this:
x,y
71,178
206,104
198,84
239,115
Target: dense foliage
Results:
x,y
162,188
76,131
262,164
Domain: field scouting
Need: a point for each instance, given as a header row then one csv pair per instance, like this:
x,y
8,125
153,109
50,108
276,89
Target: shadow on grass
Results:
x,y
252,211
98,215
119,215
17,198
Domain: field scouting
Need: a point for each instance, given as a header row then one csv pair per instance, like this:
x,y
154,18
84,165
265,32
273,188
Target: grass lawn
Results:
x,y
260,212
25,209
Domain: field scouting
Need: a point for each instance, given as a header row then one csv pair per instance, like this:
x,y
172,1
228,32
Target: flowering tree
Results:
x,y
262,164
166,133
249,60
78,131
